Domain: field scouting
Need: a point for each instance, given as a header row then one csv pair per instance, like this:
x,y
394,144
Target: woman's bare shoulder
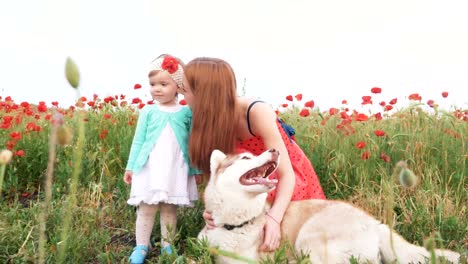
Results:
x,y
245,101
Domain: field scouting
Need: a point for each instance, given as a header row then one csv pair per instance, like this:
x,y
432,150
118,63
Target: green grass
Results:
x,y
434,145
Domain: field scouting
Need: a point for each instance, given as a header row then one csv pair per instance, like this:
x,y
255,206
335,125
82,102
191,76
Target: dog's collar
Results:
x,y
231,227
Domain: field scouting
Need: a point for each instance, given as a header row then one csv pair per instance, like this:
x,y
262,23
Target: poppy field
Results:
x,y
63,200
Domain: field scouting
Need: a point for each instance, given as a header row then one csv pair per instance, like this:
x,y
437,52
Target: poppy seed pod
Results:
x,y
72,73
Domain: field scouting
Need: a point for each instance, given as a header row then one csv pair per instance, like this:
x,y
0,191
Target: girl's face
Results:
x,y
186,91
163,88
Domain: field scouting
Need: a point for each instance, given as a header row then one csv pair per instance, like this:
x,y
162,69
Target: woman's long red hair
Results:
x,y
214,109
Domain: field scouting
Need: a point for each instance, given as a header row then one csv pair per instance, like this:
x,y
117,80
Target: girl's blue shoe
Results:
x,y
139,254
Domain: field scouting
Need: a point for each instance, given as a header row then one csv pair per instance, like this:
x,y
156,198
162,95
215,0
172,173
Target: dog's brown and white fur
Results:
x,y
329,231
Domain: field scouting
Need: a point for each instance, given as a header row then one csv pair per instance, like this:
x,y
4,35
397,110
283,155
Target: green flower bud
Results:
x,y
72,73
429,244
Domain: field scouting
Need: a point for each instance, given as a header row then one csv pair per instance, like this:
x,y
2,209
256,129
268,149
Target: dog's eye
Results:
x,y
245,157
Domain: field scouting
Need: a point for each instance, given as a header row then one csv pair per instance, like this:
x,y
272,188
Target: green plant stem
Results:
x,y
71,201
221,252
2,174
48,192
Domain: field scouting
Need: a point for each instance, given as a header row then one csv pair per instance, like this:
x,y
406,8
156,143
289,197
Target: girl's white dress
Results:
x,y
164,178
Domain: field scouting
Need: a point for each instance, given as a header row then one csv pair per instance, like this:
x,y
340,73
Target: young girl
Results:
x,y
224,121
158,166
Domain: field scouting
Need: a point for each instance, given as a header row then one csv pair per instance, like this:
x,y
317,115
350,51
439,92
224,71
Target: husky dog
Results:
x,y
329,231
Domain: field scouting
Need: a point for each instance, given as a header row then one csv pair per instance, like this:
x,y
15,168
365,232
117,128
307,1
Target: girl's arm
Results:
x,y
263,124
138,138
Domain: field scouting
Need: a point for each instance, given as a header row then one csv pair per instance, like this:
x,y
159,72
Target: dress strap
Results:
x,y
248,115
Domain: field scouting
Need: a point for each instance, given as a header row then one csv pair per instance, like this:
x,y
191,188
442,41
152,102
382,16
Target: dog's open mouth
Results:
x,y
260,175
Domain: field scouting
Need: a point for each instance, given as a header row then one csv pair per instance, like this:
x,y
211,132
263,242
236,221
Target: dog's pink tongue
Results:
x,y
266,181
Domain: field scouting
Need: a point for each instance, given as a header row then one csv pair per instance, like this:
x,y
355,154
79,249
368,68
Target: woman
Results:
x,y
224,121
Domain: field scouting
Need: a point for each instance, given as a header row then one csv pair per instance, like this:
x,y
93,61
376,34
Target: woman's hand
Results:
x,y
128,177
272,234
208,220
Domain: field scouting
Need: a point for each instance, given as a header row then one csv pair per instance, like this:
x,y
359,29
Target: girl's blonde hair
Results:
x,y
154,72
214,109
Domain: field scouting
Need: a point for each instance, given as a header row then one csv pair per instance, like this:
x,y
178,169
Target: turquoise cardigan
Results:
x,y
151,122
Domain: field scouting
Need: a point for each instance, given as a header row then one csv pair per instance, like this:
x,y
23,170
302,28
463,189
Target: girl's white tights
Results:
x,y
145,222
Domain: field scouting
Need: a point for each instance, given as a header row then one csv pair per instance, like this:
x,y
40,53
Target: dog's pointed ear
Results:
x,y
217,156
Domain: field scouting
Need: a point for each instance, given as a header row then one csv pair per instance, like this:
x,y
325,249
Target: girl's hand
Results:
x,y
208,220
128,177
272,235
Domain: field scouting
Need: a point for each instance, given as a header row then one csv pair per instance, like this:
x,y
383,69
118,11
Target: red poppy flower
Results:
x,y
91,103
382,103
344,102
141,105
298,97
150,102
284,105
55,103
376,90
137,86
19,153
388,107
42,107
430,103
378,116
103,134
361,117
183,102
444,94
415,97
393,101
379,133
170,64
384,157
344,115
361,145
365,155
31,126
136,100
304,112
366,100
24,104
15,135
289,98
310,104
10,145
107,116
333,111
108,99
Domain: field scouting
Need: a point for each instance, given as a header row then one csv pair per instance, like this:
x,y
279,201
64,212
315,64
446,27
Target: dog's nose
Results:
x,y
274,152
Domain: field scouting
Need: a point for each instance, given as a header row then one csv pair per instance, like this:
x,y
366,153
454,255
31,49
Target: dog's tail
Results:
x,y
393,248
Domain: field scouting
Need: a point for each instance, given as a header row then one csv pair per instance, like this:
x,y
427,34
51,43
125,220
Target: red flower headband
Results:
x,y
171,66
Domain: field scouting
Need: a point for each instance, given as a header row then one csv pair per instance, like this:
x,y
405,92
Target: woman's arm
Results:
x,y
263,123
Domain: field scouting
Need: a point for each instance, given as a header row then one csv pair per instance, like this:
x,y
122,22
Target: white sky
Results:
x,y
328,50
